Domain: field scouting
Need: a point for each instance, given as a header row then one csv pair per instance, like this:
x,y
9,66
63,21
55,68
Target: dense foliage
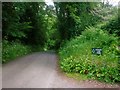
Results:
x,y
74,17
27,24
76,55
72,29
39,25
12,50
113,26
20,22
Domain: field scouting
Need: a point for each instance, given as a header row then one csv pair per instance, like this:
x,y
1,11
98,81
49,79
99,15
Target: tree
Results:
x,y
74,17
24,22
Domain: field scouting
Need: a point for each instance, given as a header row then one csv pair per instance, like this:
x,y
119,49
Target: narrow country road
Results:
x,y
33,71
39,70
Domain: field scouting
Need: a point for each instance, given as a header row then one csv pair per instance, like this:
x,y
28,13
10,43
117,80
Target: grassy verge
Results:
x,y
77,76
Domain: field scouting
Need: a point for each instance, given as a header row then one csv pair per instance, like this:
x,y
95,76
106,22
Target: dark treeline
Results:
x,y
36,23
24,22
43,26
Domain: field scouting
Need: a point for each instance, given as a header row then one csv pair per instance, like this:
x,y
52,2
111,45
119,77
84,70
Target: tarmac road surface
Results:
x,y
39,70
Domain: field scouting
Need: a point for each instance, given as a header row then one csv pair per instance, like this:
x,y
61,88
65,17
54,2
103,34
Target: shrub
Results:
x,y
12,50
113,26
76,55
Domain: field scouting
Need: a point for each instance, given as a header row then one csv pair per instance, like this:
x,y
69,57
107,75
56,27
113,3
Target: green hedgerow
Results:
x,y
76,55
12,50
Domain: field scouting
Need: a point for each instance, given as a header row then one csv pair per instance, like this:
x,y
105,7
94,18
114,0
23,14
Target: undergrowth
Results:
x,y
76,55
13,50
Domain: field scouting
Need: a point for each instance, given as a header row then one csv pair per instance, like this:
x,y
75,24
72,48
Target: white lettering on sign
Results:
x,y
97,51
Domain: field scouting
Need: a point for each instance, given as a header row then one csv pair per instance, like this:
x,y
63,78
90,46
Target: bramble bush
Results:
x,y
76,55
12,50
